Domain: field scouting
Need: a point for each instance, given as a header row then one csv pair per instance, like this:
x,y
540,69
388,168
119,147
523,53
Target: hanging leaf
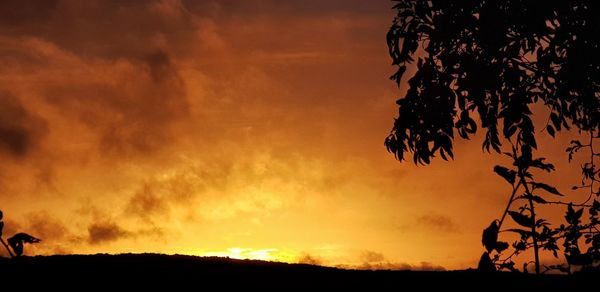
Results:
x,y
555,120
536,199
547,188
398,75
520,245
490,236
573,217
550,130
508,174
521,219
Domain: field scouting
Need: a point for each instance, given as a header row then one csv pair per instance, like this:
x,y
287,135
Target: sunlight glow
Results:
x,y
267,254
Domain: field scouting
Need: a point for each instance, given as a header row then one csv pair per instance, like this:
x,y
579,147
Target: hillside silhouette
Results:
x,y
102,271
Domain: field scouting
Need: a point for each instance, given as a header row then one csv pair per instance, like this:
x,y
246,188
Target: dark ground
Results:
x,y
138,271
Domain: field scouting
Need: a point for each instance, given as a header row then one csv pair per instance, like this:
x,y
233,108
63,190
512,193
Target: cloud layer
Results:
x,y
191,126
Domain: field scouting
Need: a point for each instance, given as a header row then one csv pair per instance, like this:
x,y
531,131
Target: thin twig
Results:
x,y
7,249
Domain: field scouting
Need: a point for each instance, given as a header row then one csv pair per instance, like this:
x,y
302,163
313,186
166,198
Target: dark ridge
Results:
x,y
103,271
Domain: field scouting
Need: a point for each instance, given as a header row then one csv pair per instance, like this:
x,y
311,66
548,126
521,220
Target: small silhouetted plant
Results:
x,y
16,242
485,63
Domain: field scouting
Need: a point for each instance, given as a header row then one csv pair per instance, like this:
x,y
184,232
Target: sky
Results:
x,y
249,129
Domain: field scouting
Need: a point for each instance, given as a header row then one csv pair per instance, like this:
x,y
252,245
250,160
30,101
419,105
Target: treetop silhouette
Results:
x,y
486,63
492,60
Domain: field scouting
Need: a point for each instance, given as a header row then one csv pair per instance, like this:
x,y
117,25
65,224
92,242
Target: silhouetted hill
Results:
x,y
137,271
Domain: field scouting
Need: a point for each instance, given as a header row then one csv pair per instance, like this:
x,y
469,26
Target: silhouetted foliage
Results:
x,y
492,60
485,64
16,242
486,264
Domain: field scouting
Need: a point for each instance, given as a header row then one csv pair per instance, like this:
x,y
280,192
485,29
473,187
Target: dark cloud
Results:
x,y
146,203
11,227
377,261
293,8
20,130
19,12
107,231
157,196
45,227
154,232
371,256
55,235
308,259
108,29
133,114
161,68
437,222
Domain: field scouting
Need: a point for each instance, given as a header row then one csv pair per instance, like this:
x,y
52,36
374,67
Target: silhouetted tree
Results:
x,y
484,64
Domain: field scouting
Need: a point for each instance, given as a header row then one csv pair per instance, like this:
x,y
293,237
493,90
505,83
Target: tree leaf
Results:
x,y
547,188
550,130
536,199
578,214
555,120
520,219
489,237
398,75
573,217
508,174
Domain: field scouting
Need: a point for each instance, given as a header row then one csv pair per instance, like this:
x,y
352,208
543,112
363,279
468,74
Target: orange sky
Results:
x,y
239,128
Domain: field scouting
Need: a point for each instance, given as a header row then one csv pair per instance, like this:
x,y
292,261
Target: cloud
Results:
x,y
205,122
308,259
180,188
45,227
21,12
11,227
104,232
371,256
372,260
20,130
56,237
132,110
293,8
146,203
437,222
432,222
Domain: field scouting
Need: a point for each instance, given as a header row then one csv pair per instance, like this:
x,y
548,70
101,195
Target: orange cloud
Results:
x,y
191,126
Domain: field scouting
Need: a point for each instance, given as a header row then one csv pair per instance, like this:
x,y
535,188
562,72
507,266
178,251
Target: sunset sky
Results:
x,y
250,129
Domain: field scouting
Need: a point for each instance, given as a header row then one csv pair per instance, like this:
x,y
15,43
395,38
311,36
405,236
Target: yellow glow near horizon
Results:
x,y
267,254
